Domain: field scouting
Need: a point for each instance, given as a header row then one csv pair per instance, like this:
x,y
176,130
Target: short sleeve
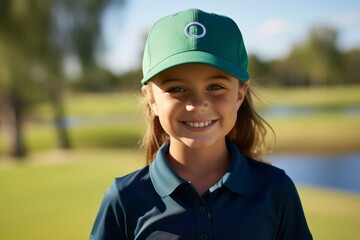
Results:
x,y
109,222
293,223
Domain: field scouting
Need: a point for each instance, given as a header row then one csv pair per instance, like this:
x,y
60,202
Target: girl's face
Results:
x,y
196,104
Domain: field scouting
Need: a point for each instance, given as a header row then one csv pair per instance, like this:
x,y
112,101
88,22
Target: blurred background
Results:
x,y
71,118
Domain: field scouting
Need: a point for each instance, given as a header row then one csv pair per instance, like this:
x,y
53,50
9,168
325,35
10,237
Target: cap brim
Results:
x,y
198,57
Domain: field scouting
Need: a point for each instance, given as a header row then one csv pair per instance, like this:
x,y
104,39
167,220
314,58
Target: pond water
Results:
x,y
340,172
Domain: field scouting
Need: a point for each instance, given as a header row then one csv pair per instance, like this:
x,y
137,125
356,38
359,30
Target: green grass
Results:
x,y
56,195
331,215
94,104
323,133
118,135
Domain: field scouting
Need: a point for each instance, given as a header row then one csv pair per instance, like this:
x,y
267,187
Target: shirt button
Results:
x,y
204,236
202,209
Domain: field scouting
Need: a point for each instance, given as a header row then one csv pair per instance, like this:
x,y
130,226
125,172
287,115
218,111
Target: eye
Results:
x,y
215,87
176,90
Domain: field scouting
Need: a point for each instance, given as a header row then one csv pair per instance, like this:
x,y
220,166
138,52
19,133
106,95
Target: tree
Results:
x,y
20,51
318,60
257,67
35,37
352,63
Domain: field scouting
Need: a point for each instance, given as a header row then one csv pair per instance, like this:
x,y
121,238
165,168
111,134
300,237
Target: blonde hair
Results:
x,y
249,132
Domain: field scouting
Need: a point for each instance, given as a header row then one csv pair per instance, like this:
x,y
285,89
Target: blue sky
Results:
x,y
270,28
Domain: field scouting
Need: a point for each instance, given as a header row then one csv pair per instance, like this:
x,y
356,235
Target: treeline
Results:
x,y
315,62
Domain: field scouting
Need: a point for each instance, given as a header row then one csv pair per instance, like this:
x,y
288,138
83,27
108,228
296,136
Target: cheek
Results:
x,y
169,112
228,108
227,103
168,108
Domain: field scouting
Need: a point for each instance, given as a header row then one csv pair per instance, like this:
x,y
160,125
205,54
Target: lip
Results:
x,y
198,125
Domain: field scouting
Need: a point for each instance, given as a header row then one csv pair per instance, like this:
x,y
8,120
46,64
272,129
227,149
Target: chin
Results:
x,y
197,143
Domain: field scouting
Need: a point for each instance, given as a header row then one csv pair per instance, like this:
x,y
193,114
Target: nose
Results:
x,y
197,103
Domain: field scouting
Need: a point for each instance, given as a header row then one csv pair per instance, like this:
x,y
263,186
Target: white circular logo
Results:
x,y
197,35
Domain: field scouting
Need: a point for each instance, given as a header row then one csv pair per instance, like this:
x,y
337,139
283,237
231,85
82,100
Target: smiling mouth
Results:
x,y
198,124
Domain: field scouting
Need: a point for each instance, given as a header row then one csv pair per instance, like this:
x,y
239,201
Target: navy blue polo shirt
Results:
x,y
253,200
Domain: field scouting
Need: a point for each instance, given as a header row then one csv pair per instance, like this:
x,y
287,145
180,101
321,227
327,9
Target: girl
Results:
x,y
204,178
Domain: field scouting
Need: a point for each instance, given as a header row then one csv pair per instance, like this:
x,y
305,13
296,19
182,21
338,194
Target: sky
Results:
x,y
270,28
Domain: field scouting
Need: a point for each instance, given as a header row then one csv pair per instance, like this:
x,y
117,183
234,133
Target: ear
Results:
x,y
241,93
147,91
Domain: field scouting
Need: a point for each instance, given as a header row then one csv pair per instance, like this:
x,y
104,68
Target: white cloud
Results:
x,y
272,38
273,27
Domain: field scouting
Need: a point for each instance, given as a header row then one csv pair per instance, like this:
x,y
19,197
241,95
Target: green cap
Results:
x,y
195,36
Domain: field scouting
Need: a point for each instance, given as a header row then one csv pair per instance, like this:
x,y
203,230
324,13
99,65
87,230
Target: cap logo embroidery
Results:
x,y
191,34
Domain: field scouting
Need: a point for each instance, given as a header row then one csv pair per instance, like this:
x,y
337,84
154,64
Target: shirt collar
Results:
x,y
165,180
238,178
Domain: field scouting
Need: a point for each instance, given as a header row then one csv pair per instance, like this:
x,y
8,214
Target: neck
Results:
x,y
203,167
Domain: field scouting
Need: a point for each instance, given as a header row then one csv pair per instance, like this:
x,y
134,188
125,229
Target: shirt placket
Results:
x,y
203,216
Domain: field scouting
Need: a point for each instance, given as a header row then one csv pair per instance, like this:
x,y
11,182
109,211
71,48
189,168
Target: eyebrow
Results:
x,y
219,76
169,80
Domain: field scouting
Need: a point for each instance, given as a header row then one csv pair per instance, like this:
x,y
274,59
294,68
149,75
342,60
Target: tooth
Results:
x,y
199,124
